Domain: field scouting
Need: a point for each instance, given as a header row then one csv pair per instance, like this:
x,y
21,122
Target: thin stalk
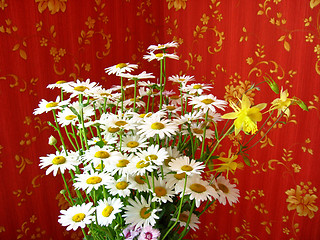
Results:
x,y
183,233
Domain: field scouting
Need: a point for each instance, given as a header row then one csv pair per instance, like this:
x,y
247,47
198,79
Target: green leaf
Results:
x,y
246,160
100,144
302,105
74,111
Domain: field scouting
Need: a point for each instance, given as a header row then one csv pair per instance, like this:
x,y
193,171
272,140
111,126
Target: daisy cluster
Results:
x,y
137,163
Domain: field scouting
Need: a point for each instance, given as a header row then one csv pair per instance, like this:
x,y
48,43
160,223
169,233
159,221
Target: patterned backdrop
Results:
x,y
229,43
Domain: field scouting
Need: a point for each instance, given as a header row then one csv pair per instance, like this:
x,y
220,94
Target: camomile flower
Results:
x,y
161,191
176,181
157,126
133,143
186,165
45,106
138,213
120,187
226,190
160,56
196,88
120,68
163,46
173,153
91,180
120,166
67,117
200,190
138,182
115,122
79,87
96,154
140,166
58,84
171,108
206,102
59,161
130,102
77,216
189,117
148,84
153,154
143,75
107,140
183,219
197,131
175,100
107,210
181,79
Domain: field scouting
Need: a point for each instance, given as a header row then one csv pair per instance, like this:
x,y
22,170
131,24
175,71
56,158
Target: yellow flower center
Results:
x,y
94,180
157,126
160,191
186,168
183,217
80,88
143,213
121,65
171,108
140,179
52,104
168,160
107,211
197,86
120,123
122,163
102,154
197,130
142,164
151,157
159,55
121,185
60,82
59,160
207,101
175,97
105,94
113,130
223,188
70,117
99,166
78,217
160,46
132,144
180,176
198,188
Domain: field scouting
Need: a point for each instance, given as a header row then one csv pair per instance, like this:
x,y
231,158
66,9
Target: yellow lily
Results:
x,y
246,117
282,103
228,164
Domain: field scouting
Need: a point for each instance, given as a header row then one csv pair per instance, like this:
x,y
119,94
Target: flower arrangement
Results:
x,y
145,166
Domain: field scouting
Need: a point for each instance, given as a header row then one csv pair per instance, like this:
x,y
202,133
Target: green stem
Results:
x,y
67,188
183,233
59,132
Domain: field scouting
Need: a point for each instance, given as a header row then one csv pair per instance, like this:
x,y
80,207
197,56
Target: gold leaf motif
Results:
x,y
286,46
16,47
314,3
23,54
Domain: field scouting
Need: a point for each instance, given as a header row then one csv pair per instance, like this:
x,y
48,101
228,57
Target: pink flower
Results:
x,y
149,233
131,232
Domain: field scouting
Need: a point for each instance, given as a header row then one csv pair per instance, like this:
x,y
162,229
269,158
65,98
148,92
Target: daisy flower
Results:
x,y
130,102
115,122
153,154
59,162
138,182
143,75
200,190
197,131
140,166
79,87
206,102
120,68
133,143
160,56
107,210
77,216
67,117
149,233
186,165
45,106
175,100
226,190
91,180
136,213
120,166
58,84
107,139
181,79
163,46
173,153
189,117
171,108
120,187
196,88
183,218
157,126
96,155
161,191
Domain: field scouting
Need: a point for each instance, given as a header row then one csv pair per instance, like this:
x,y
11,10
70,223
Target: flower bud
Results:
x,y
272,84
52,140
63,191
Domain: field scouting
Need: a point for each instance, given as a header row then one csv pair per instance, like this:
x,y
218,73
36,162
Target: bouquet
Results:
x,y
141,162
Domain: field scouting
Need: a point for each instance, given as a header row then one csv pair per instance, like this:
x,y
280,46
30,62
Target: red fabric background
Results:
x,y
228,43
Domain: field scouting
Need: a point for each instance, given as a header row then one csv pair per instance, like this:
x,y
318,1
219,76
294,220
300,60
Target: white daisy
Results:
x,y
79,87
107,210
120,187
67,117
115,122
186,165
58,84
91,180
163,46
196,88
197,131
120,68
120,166
183,218
135,213
161,191
138,182
160,56
140,166
143,75
96,155
153,154
59,162
189,117
108,140
173,154
171,108
77,216
177,181
45,106
130,102
133,143
206,102
175,100
181,79
200,190
157,126
226,190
